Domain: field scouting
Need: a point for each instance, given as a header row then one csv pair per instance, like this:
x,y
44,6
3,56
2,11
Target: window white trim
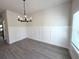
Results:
x,y
76,49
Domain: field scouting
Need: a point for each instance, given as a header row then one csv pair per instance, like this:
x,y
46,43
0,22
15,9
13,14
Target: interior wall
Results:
x,y
75,8
16,29
5,26
51,25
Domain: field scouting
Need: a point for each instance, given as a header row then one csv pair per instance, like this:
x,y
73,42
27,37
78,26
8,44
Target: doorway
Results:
x,y
1,32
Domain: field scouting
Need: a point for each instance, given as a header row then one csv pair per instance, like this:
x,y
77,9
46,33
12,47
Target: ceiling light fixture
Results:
x,y
25,19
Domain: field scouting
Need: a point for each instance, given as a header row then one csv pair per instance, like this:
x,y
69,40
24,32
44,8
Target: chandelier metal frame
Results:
x,y
25,19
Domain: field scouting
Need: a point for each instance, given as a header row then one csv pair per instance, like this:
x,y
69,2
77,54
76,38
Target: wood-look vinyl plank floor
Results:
x,y
31,49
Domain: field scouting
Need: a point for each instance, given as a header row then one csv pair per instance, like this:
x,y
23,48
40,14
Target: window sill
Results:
x,y
77,51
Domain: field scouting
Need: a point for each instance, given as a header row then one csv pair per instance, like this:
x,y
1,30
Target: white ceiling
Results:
x,y
31,5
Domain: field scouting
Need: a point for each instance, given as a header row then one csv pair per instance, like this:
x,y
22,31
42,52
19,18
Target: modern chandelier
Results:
x,y
25,19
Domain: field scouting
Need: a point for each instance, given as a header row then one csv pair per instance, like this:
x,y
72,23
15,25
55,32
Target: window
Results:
x,y
75,30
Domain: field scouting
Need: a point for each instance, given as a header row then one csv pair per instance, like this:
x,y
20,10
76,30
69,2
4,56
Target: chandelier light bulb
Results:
x,y
25,16
30,18
18,16
27,19
21,18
